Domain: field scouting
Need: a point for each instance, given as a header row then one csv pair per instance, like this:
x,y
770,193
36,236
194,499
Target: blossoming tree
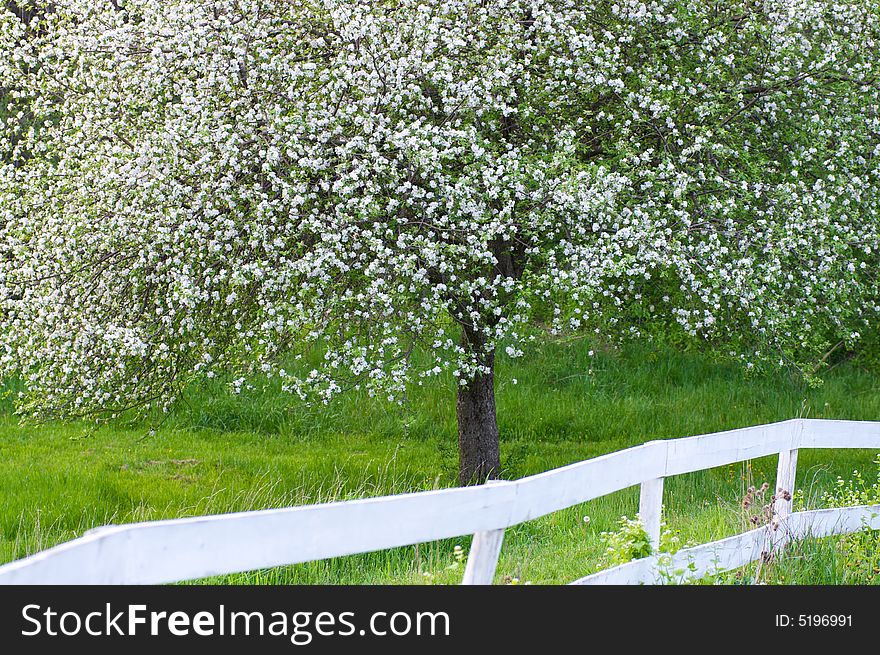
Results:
x,y
189,187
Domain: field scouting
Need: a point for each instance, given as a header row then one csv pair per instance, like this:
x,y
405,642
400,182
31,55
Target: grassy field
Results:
x,y
219,452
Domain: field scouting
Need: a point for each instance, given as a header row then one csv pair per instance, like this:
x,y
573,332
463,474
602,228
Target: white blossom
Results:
x,y
193,186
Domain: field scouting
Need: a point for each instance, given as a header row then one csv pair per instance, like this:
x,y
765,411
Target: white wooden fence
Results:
x,y
184,549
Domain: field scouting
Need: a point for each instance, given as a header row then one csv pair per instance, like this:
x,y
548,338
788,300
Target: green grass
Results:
x,y
220,452
826,561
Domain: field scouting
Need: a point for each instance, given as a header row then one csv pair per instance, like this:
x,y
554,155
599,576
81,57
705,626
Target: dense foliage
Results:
x,y
190,187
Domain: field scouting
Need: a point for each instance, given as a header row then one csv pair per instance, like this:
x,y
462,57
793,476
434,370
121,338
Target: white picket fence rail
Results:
x,y
184,549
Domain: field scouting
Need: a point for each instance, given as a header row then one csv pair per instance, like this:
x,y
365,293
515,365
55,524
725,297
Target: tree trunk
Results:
x,y
479,455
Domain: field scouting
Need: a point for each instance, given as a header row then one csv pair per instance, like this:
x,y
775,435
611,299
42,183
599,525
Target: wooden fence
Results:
x,y
190,548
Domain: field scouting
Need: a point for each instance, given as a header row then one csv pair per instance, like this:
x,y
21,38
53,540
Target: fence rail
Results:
x,y
190,548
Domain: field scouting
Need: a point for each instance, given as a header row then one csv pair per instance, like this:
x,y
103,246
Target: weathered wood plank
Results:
x,y
560,488
825,433
786,470
651,508
734,552
182,549
483,558
721,448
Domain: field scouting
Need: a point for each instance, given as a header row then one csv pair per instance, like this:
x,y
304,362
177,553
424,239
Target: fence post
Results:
x,y
483,558
650,509
785,474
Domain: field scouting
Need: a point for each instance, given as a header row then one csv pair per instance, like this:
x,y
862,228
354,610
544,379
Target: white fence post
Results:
x,y
483,558
651,508
785,474
485,550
